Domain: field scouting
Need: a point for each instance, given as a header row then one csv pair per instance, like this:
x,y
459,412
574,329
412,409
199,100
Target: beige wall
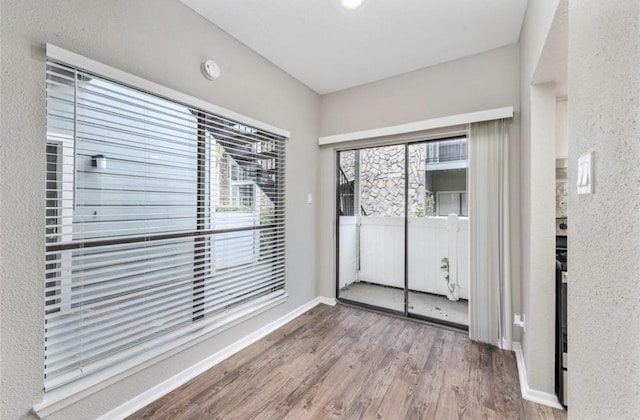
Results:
x,y
165,42
484,81
604,241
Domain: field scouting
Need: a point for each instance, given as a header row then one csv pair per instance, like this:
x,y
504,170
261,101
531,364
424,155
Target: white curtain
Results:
x,y
490,279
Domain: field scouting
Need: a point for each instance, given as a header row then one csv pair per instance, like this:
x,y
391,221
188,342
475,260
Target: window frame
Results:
x,y
58,398
65,159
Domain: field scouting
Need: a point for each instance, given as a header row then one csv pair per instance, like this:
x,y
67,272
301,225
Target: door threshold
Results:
x,y
434,322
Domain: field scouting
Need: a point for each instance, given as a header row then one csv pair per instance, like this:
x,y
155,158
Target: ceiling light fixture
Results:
x,y
351,4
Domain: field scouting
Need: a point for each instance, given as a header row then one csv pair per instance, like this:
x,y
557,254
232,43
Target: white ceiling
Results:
x,y
329,48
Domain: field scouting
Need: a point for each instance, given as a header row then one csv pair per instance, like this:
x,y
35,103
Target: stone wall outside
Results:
x,y
382,178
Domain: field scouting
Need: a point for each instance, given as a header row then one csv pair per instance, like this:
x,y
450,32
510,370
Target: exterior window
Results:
x,y
162,220
449,202
446,177
242,194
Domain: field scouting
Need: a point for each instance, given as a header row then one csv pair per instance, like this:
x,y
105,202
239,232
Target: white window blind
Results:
x,y
161,219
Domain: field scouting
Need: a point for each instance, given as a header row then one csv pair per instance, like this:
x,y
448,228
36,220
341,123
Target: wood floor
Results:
x,y
345,363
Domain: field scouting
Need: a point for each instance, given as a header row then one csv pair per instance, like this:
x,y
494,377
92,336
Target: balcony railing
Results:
x,y
447,151
346,190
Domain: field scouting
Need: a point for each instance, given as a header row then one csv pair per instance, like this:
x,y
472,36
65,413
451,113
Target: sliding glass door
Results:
x,y
371,227
438,231
402,229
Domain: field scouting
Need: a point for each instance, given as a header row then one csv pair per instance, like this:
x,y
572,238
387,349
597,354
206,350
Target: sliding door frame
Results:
x,y
405,313
336,219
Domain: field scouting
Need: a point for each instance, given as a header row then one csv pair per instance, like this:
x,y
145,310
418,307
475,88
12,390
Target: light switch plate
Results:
x,y
585,173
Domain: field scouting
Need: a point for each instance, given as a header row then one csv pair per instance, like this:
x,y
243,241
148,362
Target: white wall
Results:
x,y
475,83
539,340
537,194
165,42
604,241
562,129
1,182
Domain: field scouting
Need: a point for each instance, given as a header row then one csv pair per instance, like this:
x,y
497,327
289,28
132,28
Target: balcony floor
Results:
x,y
425,304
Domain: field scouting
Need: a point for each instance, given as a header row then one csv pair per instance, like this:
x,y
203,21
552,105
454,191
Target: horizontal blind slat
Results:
x,y
123,313
126,285
96,343
153,346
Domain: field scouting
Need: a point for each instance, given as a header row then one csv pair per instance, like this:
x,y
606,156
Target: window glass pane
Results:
x,y
448,203
146,183
465,208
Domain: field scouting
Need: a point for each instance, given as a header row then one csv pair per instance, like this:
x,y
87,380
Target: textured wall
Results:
x,y
475,83
604,242
165,42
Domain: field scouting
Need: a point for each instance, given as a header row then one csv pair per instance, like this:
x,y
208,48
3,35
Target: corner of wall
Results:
x,y
529,394
537,192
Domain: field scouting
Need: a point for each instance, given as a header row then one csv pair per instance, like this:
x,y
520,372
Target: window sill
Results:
x,y
66,395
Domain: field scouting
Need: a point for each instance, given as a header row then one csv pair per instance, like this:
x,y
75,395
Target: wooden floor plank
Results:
x,y
345,363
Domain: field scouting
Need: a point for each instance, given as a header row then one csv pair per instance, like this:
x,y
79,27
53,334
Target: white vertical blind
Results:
x,y
161,218
490,280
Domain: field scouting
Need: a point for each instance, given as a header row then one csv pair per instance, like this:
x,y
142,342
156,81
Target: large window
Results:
x,y
162,220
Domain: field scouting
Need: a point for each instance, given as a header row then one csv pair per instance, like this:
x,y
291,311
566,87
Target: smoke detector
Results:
x,y
210,70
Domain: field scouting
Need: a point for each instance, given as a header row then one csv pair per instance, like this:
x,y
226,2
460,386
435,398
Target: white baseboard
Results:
x,y
186,375
529,394
326,300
